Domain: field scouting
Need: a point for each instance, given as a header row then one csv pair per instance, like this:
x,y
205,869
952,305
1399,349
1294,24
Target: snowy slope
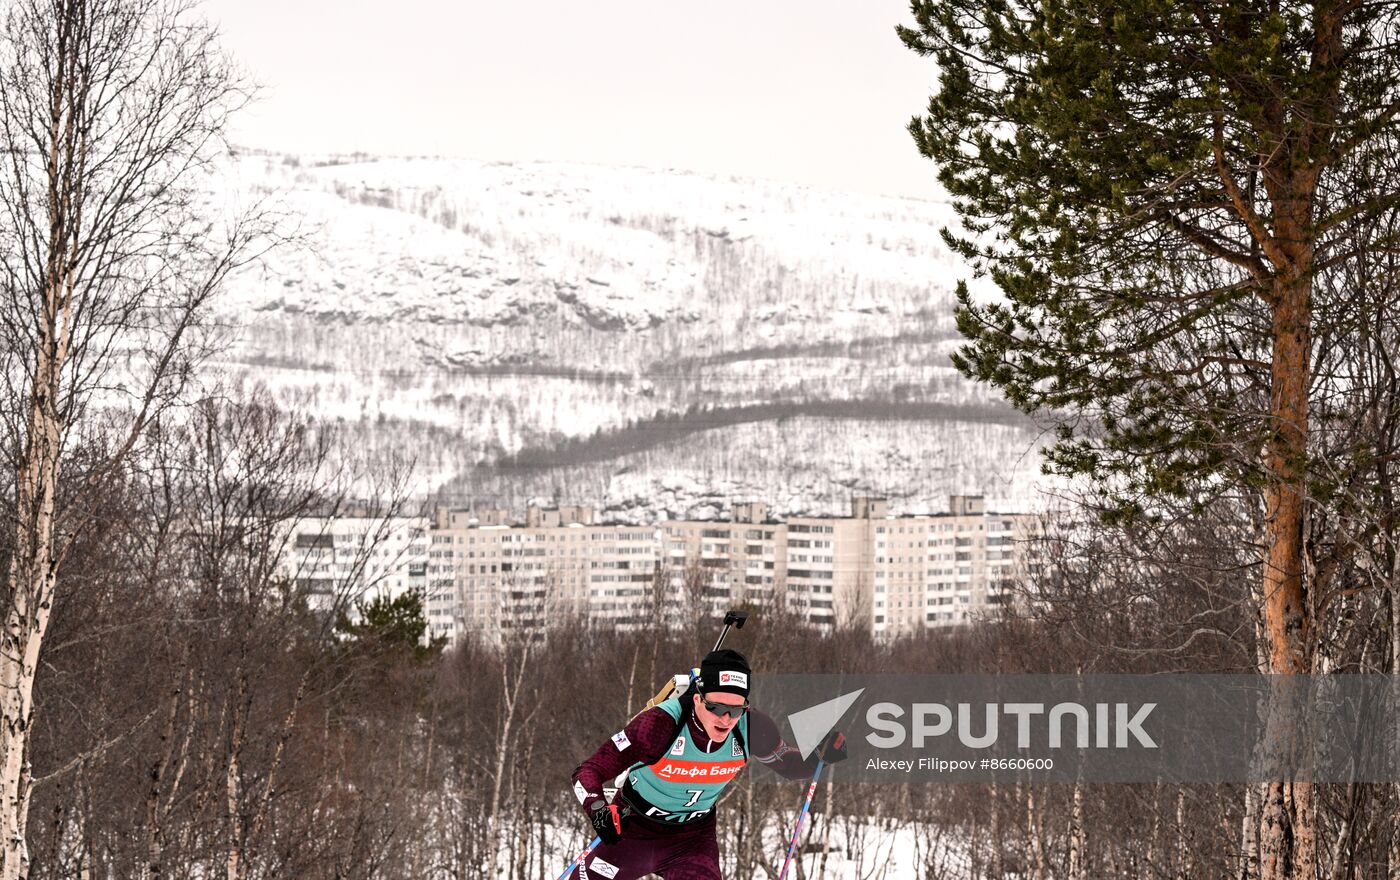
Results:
x,y
590,333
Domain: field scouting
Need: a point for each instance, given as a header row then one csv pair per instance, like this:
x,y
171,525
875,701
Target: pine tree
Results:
x,y
392,625
1159,190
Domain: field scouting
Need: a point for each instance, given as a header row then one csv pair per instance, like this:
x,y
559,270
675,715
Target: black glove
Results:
x,y
833,748
606,820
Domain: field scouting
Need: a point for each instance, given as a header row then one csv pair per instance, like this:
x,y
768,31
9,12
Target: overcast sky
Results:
x,y
815,92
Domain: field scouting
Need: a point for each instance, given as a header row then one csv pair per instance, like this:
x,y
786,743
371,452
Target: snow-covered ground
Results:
x,y
842,849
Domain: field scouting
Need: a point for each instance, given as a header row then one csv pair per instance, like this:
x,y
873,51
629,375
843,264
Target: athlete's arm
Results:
x,y
767,747
642,741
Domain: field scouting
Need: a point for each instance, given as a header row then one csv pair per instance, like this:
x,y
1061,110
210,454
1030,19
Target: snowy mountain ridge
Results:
x,y
483,315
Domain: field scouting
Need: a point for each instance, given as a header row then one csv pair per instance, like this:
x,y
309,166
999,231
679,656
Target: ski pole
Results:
x,y
587,851
582,857
733,618
806,804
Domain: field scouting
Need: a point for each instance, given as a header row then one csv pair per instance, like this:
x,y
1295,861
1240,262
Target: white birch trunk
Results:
x,y
1034,830
234,866
493,812
998,860
1076,834
1183,849
1393,850
32,580
1249,835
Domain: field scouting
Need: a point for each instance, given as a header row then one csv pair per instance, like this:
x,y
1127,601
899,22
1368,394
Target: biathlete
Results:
x,y
679,755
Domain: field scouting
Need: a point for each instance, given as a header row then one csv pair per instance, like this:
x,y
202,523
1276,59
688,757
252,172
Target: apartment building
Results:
x,y
948,569
830,577
338,560
724,563
489,575
973,558
492,576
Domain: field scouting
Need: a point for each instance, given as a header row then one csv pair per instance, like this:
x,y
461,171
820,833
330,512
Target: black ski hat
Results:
x,y
725,671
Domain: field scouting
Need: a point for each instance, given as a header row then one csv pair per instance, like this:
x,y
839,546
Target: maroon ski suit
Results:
x,y
674,852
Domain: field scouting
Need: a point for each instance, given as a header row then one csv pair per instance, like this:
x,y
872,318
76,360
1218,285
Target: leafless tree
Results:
x,y
111,116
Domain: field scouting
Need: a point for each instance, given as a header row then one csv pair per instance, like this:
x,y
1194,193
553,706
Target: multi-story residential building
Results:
x,y
893,574
829,576
900,548
338,560
494,576
975,557
724,563
900,574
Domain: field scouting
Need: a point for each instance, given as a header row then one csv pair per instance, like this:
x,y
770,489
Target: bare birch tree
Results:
x,y
111,116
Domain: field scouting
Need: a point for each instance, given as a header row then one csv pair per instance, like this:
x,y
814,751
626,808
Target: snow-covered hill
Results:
x,y
608,335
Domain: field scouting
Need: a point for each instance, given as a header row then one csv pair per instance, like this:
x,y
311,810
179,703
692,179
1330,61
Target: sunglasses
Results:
x,y
726,710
